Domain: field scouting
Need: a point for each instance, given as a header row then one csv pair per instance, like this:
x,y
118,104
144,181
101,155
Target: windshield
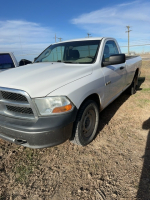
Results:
x,y
71,52
6,61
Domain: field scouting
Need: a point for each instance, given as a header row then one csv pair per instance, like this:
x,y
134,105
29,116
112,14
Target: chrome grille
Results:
x,y
22,110
16,103
13,96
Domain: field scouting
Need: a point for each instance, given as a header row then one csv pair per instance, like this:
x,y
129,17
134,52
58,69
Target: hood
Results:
x,y
40,79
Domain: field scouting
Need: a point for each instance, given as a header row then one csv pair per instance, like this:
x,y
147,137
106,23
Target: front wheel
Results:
x,y
86,124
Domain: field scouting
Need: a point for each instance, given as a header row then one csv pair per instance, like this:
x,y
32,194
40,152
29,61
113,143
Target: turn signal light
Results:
x,y
62,109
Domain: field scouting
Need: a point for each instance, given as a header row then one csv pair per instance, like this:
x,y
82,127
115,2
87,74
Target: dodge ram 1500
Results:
x,y
60,95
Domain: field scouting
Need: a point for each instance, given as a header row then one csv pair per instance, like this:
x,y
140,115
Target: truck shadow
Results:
x,y
109,111
144,185
140,81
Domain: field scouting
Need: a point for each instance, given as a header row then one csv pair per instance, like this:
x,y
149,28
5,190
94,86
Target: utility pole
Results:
x,y
60,47
88,45
128,31
88,34
60,39
55,37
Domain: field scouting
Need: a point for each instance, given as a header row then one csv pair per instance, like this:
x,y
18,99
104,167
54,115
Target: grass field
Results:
x,y
116,165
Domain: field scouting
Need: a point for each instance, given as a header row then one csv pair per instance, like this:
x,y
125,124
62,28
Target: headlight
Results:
x,y
53,105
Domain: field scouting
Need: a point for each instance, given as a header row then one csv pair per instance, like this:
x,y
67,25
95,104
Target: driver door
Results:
x,y
114,75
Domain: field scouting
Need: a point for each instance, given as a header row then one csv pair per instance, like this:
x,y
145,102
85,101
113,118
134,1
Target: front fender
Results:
x,y
79,90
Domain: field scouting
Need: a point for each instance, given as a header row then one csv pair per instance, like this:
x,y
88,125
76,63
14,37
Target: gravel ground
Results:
x,y
116,165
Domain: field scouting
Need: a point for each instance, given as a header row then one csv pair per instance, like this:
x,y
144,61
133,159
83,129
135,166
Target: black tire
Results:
x,y
133,87
86,124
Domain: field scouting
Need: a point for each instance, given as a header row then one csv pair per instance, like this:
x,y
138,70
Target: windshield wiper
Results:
x,y
71,62
66,61
37,61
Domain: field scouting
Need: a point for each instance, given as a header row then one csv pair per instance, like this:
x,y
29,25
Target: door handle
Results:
x,y
122,68
107,83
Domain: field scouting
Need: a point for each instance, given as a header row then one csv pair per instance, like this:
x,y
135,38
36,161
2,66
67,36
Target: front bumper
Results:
x,y
39,133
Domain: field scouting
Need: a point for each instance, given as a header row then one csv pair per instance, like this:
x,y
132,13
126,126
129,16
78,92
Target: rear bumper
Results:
x,y
40,133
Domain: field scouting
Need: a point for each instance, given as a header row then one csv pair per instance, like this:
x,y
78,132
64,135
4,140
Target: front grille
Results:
x,y
22,110
16,103
13,96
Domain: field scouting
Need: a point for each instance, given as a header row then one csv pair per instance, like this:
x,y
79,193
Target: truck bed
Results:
x,y
129,57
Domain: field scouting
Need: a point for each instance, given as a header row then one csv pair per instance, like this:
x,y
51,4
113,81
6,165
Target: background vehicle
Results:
x,y
60,95
7,61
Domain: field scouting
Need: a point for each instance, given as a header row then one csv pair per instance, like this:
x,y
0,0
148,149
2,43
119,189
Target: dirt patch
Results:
x,y
114,166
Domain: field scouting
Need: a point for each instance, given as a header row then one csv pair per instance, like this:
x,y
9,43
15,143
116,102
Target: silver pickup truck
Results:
x,y
60,95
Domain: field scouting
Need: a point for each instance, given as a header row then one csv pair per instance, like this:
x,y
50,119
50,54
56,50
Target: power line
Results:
x,y
26,54
139,42
137,45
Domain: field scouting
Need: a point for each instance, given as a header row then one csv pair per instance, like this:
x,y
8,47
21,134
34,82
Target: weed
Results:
x,y
145,90
2,197
26,167
29,154
143,102
22,172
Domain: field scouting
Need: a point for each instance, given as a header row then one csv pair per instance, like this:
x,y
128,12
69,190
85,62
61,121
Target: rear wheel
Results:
x,y
133,87
85,126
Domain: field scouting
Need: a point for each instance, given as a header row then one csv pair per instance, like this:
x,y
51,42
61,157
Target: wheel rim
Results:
x,y
88,122
135,84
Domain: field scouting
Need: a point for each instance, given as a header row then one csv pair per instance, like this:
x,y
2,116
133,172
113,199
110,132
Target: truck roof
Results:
x,y
3,52
81,39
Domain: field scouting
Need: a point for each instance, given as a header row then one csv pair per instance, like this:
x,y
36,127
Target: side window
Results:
x,y
6,61
110,49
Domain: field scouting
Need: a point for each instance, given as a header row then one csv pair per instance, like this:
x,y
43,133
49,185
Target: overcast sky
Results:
x,y
29,27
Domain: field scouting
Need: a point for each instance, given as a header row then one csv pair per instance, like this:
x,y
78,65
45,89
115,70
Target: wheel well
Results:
x,y
95,97
137,71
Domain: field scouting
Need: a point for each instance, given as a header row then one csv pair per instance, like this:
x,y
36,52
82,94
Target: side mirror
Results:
x,y
115,59
24,62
